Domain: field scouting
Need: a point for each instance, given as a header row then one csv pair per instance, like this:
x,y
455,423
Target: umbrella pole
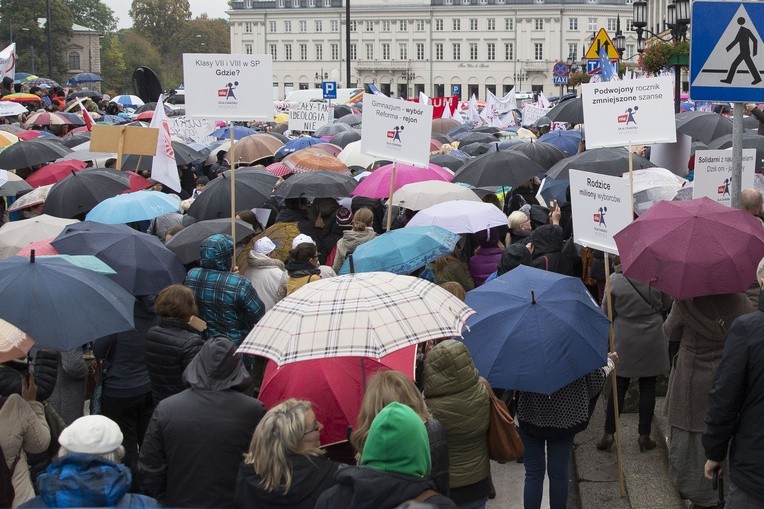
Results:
x,y
390,199
614,388
363,374
631,178
233,195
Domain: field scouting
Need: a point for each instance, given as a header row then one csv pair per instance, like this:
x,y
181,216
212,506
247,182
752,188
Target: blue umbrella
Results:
x,y
60,305
535,331
554,190
295,145
84,77
567,141
144,266
239,132
132,207
402,251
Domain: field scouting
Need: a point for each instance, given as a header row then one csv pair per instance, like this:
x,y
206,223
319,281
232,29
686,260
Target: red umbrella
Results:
x,y
146,115
278,169
692,248
334,385
137,183
28,135
54,172
41,248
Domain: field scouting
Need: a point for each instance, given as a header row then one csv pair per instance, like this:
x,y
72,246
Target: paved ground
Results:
x,y
508,480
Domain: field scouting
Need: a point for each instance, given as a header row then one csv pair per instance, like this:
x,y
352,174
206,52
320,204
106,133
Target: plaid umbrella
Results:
x,y
42,81
368,315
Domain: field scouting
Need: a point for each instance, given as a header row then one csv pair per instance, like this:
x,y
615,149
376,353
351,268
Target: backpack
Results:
x,y
7,491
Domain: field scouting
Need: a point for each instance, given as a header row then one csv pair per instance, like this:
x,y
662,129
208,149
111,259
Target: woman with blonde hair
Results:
x,y
386,387
362,232
285,466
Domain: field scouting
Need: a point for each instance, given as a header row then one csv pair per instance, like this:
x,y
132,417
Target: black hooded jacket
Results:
x,y
547,253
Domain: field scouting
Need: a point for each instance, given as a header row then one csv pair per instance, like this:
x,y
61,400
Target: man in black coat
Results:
x,y
736,410
195,441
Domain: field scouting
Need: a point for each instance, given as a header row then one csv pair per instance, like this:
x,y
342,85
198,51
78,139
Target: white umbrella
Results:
x,y
34,197
366,315
14,343
10,108
16,235
652,185
421,195
351,155
460,216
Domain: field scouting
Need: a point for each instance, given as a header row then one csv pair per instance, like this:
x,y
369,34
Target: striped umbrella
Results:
x,y
312,159
48,118
7,138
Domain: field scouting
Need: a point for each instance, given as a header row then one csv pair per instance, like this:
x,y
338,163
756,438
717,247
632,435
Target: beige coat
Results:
x,y
23,429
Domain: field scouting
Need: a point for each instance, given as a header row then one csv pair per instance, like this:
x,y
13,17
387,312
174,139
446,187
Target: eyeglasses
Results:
x,y
315,428
315,257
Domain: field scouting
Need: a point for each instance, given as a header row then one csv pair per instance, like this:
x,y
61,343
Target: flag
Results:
x,y
374,90
86,115
473,116
164,169
457,114
490,113
446,111
423,99
543,102
605,65
8,62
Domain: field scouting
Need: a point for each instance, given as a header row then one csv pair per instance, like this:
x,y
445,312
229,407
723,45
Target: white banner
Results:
x,y
396,130
636,112
228,87
8,62
713,174
310,116
532,113
601,207
197,129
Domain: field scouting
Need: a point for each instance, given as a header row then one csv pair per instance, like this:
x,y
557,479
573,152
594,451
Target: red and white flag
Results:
x,y
89,122
164,169
8,62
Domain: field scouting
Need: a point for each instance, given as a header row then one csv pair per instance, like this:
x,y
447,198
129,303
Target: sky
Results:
x,y
213,8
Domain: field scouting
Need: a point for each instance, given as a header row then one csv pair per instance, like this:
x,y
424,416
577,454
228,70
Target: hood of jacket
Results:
x,y
352,239
711,316
301,269
546,239
260,261
308,474
217,367
514,256
84,480
216,252
448,369
373,489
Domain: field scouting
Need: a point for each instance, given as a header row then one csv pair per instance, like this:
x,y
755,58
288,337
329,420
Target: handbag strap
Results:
x,y
649,303
425,495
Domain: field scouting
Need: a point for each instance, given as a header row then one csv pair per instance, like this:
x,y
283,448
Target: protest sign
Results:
x,y
636,112
310,116
713,174
601,207
197,129
228,87
396,130
532,113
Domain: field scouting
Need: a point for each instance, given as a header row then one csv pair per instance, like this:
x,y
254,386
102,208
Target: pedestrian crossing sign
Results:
x,y
727,52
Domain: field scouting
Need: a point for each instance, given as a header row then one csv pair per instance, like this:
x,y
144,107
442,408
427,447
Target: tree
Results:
x,y
93,14
138,51
205,35
160,21
113,69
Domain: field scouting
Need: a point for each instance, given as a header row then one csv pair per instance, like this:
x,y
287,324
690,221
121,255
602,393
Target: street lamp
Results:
x,y
677,20
519,77
409,76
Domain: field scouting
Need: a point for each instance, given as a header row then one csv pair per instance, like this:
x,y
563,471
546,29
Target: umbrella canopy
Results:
x,y
570,111
54,172
503,168
278,169
47,118
351,155
11,184
552,189
545,154
653,185
22,98
132,207
41,248
377,185
34,197
460,216
186,242
296,144
443,125
421,195
253,148
144,265
604,161
535,331
10,128
239,132
449,161
366,315
567,141
329,148
750,140
215,201
313,159
74,140
331,129
475,137
10,109
257,175
26,154
183,155
128,101
14,343
692,248
79,305
401,251
79,192
317,184
703,125
84,77
16,235
353,120
335,386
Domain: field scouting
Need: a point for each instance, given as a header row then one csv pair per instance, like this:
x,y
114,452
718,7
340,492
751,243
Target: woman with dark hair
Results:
x,y
302,266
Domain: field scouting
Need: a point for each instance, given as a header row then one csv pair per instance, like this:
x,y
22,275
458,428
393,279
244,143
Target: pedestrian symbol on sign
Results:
x,y
743,38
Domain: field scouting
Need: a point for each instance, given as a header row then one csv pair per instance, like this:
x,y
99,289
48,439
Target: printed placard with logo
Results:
x,y
310,116
713,174
601,206
636,112
228,87
396,130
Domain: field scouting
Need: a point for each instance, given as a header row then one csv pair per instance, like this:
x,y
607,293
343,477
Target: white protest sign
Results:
x,y
197,129
310,116
636,112
396,130
713,174
532,113
228,87
601,207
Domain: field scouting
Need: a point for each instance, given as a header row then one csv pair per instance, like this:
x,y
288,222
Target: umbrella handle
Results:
x,y
352,265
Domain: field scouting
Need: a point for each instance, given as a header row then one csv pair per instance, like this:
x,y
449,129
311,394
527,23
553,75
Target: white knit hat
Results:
x,y
91,434
302,239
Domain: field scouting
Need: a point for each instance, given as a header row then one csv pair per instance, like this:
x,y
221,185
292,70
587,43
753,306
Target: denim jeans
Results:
x,y
546,456
740,500
473,504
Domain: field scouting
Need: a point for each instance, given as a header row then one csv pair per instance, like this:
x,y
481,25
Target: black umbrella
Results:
x,y
183,155
504,168
257,175
215,201
703,125
345,138
80,192
486,129
353,120
605,161
570,111
545,154
25,154
317,184
331,129
460,131
186,242
451,162
283,138
443,138
749,141
76,139
342,110
476,149
475,137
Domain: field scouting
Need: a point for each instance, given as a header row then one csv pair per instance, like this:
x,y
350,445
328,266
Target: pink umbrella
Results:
x,y
278,169
41,248
54,172
377,185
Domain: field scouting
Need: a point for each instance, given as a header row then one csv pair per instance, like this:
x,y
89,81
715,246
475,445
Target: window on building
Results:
x,y
335,25
385,25
447,2
311,3
319,26
403,25
592,24
319,51
491,89
420,51
273,51
473,24
538,24
438,25
457,24
491,24
509,23
303,51
438,51
303,26
403,51
281,4
287,52
572,23
500,2
385,51
272,26
247,27
473,51
353,54
611,24
491,51
573,50
629,51
538,51
327,3
369,51
509,51
465,2
295,3
457,51
439,90
369,26
248,49
335,49
287,26
629,27
419,27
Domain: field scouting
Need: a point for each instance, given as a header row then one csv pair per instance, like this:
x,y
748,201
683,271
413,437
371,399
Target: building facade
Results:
x,y
439,47
83,50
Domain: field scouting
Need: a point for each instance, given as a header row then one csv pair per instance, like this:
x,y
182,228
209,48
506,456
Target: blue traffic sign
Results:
x,y
456,90
330,89
561,69
726,51
560,80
